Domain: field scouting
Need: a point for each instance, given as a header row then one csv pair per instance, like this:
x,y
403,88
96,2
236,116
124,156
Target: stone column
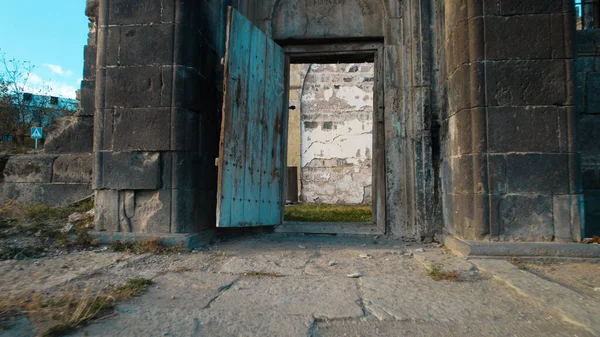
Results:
x,y
153,161
510,171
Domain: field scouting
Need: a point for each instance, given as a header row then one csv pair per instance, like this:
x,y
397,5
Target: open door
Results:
x,y
252,149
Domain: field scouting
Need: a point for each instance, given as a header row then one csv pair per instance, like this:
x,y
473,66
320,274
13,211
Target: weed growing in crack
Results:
x,y
437,274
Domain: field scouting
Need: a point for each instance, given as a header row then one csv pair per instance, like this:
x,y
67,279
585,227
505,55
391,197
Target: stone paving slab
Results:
x,y
570,305
501,327
212,293
284,263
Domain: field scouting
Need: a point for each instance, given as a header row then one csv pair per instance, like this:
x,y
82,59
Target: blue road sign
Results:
x,y
36,133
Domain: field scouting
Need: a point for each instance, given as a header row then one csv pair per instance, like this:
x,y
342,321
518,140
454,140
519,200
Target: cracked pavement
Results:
x,y
276,285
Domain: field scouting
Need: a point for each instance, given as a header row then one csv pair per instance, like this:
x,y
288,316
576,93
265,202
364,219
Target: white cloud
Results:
x,y
37,85
56,69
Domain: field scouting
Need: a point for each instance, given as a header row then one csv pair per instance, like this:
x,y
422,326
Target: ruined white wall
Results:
x,y
336,133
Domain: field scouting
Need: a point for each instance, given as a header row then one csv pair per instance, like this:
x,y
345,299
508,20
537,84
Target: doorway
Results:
x,y
335,180
253,151
330,143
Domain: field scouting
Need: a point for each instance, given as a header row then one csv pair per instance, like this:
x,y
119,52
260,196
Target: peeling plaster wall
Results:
x,y
336,134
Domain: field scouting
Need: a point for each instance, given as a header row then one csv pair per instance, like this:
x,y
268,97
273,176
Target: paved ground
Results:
x,y
299,286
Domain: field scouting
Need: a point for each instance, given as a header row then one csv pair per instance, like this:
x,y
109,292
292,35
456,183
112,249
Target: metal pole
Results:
x,y
36,143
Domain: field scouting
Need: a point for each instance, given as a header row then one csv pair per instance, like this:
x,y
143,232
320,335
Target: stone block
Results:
x,y
469,219
126,12
523,217
459,86
112,46
462,174
73,168
516,7
87,98
592,214
73,134
586,42
590,173
187,130
160,211
589,133
537,173
568,217
520,129
593,93
190,88
143,129
137,87
518,37
128,171
456,11
152,212
107,211
45,193
457,47
135,42
180,170
559,37
31,168
497,174
191,53
89,62
533,82
580,93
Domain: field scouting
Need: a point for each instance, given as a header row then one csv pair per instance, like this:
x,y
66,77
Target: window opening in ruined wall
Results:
x,y
587,14
330,142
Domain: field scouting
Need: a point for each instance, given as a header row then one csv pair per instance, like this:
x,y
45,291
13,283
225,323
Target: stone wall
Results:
x,y
478,111
510,166
587,82
336,132
157,104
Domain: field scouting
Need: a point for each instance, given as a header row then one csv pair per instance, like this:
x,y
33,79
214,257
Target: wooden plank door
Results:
x,y
253,131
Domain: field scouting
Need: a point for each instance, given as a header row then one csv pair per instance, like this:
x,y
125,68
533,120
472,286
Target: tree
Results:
x,y
21,109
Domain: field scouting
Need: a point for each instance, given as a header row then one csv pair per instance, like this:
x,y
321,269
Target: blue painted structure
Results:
x,y
252,147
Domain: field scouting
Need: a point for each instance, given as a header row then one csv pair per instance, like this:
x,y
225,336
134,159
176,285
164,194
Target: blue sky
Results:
x,y
50,34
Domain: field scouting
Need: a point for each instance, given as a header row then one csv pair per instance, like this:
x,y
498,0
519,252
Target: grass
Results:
x,y
57,315
328,213
154,246
46,225
437,274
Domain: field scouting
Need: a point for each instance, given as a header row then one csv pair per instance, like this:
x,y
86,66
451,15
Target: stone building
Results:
x,y
486,113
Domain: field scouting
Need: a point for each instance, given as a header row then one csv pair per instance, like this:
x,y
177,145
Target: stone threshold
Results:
x,y
188,240
521,249
332,228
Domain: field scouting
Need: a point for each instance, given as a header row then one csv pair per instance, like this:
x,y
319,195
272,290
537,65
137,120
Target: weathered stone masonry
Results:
x,y
481,111
587,82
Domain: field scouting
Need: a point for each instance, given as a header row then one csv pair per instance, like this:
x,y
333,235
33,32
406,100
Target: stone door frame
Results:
x,y
307,51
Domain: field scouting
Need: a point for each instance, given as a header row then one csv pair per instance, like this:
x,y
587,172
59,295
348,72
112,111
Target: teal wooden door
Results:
x,y
253,147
